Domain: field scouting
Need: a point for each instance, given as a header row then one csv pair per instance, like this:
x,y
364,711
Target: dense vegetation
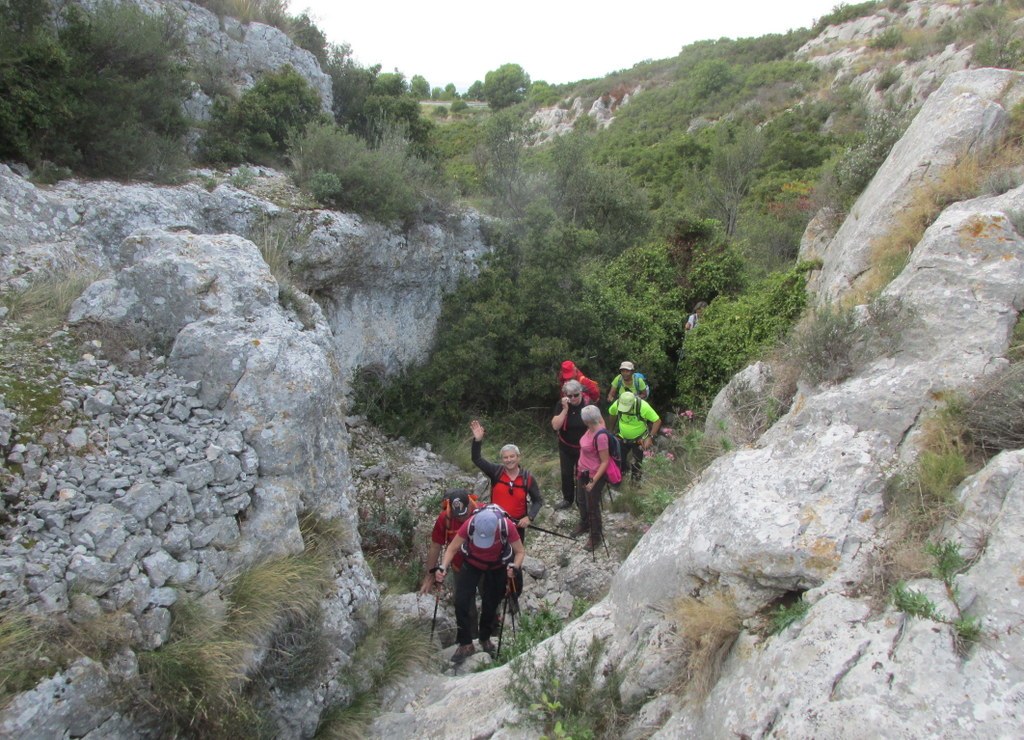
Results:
x,y
698,192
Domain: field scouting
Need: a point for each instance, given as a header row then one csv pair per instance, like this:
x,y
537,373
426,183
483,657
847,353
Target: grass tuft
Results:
x,y
25,653
388,652
707,629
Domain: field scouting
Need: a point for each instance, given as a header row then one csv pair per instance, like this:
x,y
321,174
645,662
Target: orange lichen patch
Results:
x,y
255,342
982,226
1019,568
822,555
865,515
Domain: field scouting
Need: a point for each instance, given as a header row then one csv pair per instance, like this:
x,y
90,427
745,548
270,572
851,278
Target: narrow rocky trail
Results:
x,y
393,475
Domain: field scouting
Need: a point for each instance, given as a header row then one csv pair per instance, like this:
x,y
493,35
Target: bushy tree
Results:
x,y
501,161
101,95
475,91
505,86
419,87
257,126
305,33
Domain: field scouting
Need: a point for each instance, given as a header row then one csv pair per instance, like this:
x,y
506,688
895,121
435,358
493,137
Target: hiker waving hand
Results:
x,y
513,488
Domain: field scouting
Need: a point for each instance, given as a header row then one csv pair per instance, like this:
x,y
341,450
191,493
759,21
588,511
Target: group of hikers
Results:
x,y
484,544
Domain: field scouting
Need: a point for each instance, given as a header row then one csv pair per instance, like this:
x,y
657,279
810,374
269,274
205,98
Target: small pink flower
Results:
x,y
667,431
670,456
648,453
688,414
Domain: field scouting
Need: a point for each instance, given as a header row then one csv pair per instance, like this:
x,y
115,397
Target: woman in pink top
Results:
x,y
591,478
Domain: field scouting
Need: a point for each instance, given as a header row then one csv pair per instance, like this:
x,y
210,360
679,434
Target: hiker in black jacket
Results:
x,y
570,427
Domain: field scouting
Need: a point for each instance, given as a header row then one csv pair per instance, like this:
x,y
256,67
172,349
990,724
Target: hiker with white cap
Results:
x,y
492,555
630,380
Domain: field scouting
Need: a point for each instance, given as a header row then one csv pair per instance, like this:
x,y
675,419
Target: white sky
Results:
x,y
553,40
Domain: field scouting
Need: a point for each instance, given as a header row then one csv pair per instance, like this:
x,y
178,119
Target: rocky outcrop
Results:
x,y
801,511
238,52
966,117
552,122
381,286
846,51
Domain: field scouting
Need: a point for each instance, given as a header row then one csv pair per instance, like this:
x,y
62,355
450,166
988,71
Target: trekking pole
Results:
x,y
548,531
501,628
437,598
511,587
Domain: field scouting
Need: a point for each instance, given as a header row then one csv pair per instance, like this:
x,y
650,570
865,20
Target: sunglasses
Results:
x,y
574,395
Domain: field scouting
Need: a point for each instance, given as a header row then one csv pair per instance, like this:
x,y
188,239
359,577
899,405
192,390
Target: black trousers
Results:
x,y
492,589
568,457
631,448
589,505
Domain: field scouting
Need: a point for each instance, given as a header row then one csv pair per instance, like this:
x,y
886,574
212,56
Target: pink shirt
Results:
x,y
590,459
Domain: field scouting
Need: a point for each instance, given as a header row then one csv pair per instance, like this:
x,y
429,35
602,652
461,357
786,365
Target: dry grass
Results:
x,y
198,680
45,303
388,652
707,629
25,653
889,253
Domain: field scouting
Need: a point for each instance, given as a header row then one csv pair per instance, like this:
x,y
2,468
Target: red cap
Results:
x,y
568,370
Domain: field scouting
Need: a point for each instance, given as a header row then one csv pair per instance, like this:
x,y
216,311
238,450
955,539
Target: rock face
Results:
x,y
557,120
801,511
381,286
850,53
164,485
964,117
240,52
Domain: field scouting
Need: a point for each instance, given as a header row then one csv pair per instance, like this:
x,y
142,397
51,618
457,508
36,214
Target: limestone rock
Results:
x,y
967,115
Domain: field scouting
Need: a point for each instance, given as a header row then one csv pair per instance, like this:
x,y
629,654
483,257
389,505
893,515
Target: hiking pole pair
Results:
x,y
510,591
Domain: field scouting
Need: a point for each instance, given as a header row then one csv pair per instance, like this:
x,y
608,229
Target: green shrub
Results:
x,y
785,615
890,38
858,165
887,79
948,563
386,183
459,105
531,630
102,95
575,698
844,12
257,127
734,330
824,345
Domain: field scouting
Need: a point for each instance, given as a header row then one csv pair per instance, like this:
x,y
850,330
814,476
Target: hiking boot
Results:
x,y
592,544
580,529
563,504
463,652
488,647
